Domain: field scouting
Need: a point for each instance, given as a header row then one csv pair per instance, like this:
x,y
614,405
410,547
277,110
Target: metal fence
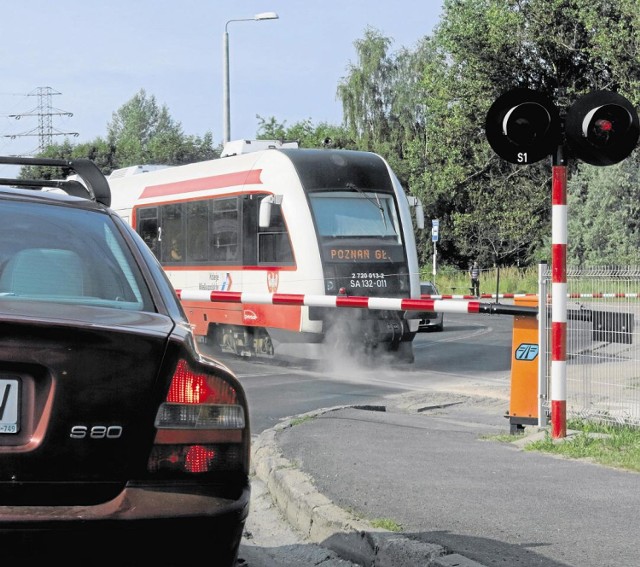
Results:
x,y
603,343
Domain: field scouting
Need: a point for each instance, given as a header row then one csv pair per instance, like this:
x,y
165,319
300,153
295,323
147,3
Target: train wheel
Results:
x,y
229,343
404,352
267,346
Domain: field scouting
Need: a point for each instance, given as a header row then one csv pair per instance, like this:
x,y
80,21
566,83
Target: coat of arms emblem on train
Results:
x,y
272,281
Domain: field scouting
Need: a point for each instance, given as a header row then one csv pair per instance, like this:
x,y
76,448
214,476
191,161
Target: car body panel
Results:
x,y
430,320
113,425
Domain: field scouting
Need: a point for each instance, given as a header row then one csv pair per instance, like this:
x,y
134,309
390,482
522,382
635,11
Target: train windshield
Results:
x,y
365,214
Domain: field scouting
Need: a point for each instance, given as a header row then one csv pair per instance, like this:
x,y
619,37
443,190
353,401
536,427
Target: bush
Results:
x,y
451,279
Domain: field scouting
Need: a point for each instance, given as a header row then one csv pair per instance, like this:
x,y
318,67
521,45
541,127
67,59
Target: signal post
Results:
x,y
524,126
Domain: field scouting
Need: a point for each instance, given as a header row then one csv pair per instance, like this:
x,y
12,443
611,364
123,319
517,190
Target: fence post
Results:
x,y
543,322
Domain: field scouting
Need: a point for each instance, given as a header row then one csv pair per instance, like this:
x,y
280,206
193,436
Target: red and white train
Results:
x,y
270,217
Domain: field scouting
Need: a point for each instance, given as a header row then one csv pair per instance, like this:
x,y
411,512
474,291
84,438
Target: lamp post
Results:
x,y
226,111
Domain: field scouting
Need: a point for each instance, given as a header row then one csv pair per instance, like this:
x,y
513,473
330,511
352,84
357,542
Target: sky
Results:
x,y
93,56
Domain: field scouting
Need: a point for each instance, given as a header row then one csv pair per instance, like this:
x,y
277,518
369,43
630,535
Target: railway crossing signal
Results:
x,y
523,126
601,128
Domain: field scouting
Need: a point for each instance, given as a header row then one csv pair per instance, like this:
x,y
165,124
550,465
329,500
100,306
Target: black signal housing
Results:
x,y
602,128
523,126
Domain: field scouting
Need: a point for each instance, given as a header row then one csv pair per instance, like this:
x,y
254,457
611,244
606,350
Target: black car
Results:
x,y
119,440
430,320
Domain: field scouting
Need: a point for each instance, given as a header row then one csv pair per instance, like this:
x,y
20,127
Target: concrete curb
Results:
x,y
324,523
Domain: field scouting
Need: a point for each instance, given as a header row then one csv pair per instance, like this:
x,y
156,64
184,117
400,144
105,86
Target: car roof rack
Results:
x,y
91,182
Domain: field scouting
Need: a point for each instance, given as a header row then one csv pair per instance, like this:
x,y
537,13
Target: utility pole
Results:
x,y
45,113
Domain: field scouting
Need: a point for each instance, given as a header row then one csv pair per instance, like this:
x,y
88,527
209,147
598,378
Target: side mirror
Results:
x,y
264,219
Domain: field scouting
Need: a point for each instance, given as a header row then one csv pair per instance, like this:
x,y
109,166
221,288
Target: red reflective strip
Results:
x,y
473,307
249,177
559,341
559,187
558,419
288,299
228,296
352,301
418,304
558,263
179,293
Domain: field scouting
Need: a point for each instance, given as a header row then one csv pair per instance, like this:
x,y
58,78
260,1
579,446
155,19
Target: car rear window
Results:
x,y
60,254
428,289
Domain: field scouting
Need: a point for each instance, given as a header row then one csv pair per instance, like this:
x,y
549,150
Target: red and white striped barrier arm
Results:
x,y
482,296
596,295
361,302
603,295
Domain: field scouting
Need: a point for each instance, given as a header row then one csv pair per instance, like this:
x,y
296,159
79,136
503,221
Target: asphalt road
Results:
x,y
424,464
473,351
448,360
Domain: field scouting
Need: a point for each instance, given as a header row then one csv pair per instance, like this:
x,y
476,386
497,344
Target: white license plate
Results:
x,y
9,405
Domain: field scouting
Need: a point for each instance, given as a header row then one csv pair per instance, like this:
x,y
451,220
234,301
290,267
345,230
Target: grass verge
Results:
x,y
615,446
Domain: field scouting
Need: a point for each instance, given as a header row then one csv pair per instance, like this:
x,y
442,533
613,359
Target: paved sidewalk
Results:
x,y
428,462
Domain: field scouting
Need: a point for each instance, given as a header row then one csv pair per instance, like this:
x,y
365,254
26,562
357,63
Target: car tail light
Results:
x,y
200,427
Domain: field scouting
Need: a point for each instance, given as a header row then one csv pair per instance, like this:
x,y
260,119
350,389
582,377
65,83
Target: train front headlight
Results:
x,y
330,281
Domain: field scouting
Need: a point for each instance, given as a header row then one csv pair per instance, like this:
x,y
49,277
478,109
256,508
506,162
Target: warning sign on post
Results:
x,y
435,230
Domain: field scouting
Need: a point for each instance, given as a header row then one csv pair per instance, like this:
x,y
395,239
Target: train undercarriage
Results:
x,y
367,341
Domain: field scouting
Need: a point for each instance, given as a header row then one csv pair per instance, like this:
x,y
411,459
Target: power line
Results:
x,y
45,113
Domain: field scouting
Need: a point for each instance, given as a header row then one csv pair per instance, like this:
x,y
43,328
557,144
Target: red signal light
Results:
x,y
602,128
604,125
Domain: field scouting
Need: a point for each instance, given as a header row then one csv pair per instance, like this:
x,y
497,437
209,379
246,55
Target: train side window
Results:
x,y
172,244
225,228
274,248
197,231
274,245
147,219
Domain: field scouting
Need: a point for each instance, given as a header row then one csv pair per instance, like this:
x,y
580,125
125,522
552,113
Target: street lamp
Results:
x,y
225,66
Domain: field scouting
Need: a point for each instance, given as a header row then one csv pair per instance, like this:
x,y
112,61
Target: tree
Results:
x,y
140,132
424,109
305,133
366,92
485,47
604,215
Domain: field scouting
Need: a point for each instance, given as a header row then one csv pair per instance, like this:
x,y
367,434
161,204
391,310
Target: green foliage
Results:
x,y
604,217
300,420
611,445
140,132
386,524
424,110
453,280
305,133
